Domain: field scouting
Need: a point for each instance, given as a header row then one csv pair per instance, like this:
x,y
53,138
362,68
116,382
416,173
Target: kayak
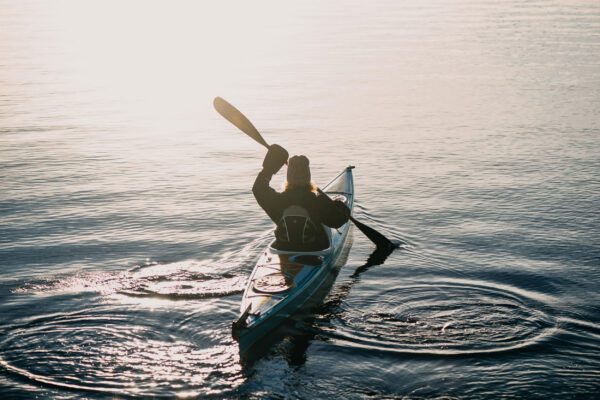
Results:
x,y
284,282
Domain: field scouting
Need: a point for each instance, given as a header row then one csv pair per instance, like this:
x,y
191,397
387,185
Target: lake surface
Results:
x,y
128,229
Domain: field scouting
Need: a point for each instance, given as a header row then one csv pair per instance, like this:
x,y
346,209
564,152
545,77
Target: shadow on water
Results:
x,y
378,257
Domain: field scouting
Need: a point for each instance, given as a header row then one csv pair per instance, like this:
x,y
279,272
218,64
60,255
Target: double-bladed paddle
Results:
x,y
235,116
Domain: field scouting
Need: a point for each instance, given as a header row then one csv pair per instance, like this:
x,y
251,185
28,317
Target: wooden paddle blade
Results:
x,y
235,116
380,241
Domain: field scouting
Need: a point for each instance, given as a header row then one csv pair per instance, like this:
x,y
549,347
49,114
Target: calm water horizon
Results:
x,y
128,228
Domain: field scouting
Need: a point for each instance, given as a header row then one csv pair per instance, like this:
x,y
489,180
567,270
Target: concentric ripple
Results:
x,y
453,317
188,279
183,280
89,337
103,351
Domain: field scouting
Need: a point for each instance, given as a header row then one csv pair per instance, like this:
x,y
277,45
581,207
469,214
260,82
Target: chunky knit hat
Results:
x,y
298,171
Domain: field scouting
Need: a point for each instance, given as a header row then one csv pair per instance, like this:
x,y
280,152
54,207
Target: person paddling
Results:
x,y
298,211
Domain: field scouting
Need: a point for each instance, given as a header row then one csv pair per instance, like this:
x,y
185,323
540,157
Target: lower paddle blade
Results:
x,y
376,237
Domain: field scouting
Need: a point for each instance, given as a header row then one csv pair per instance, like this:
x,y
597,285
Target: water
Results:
x,y
128,228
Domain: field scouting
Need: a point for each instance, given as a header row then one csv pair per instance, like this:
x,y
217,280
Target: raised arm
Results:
x,y
266,196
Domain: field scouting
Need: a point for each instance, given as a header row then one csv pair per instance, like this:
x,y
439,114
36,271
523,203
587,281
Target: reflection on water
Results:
x,y
128,230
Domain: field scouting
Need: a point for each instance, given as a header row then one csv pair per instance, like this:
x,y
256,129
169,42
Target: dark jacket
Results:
x,y
321,209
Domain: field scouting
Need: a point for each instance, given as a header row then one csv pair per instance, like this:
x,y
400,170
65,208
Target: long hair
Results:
x,y
309,187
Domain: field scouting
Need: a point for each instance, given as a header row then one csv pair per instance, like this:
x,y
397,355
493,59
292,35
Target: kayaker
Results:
x,y
299,210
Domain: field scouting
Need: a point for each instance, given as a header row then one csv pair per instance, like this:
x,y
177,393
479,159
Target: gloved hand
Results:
x,y
342,209
275,158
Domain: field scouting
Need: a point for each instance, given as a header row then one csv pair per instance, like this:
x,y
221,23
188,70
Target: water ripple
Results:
x,y
455,317
107,358
190,279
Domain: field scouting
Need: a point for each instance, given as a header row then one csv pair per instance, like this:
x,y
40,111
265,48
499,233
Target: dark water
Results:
x,y
128,230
